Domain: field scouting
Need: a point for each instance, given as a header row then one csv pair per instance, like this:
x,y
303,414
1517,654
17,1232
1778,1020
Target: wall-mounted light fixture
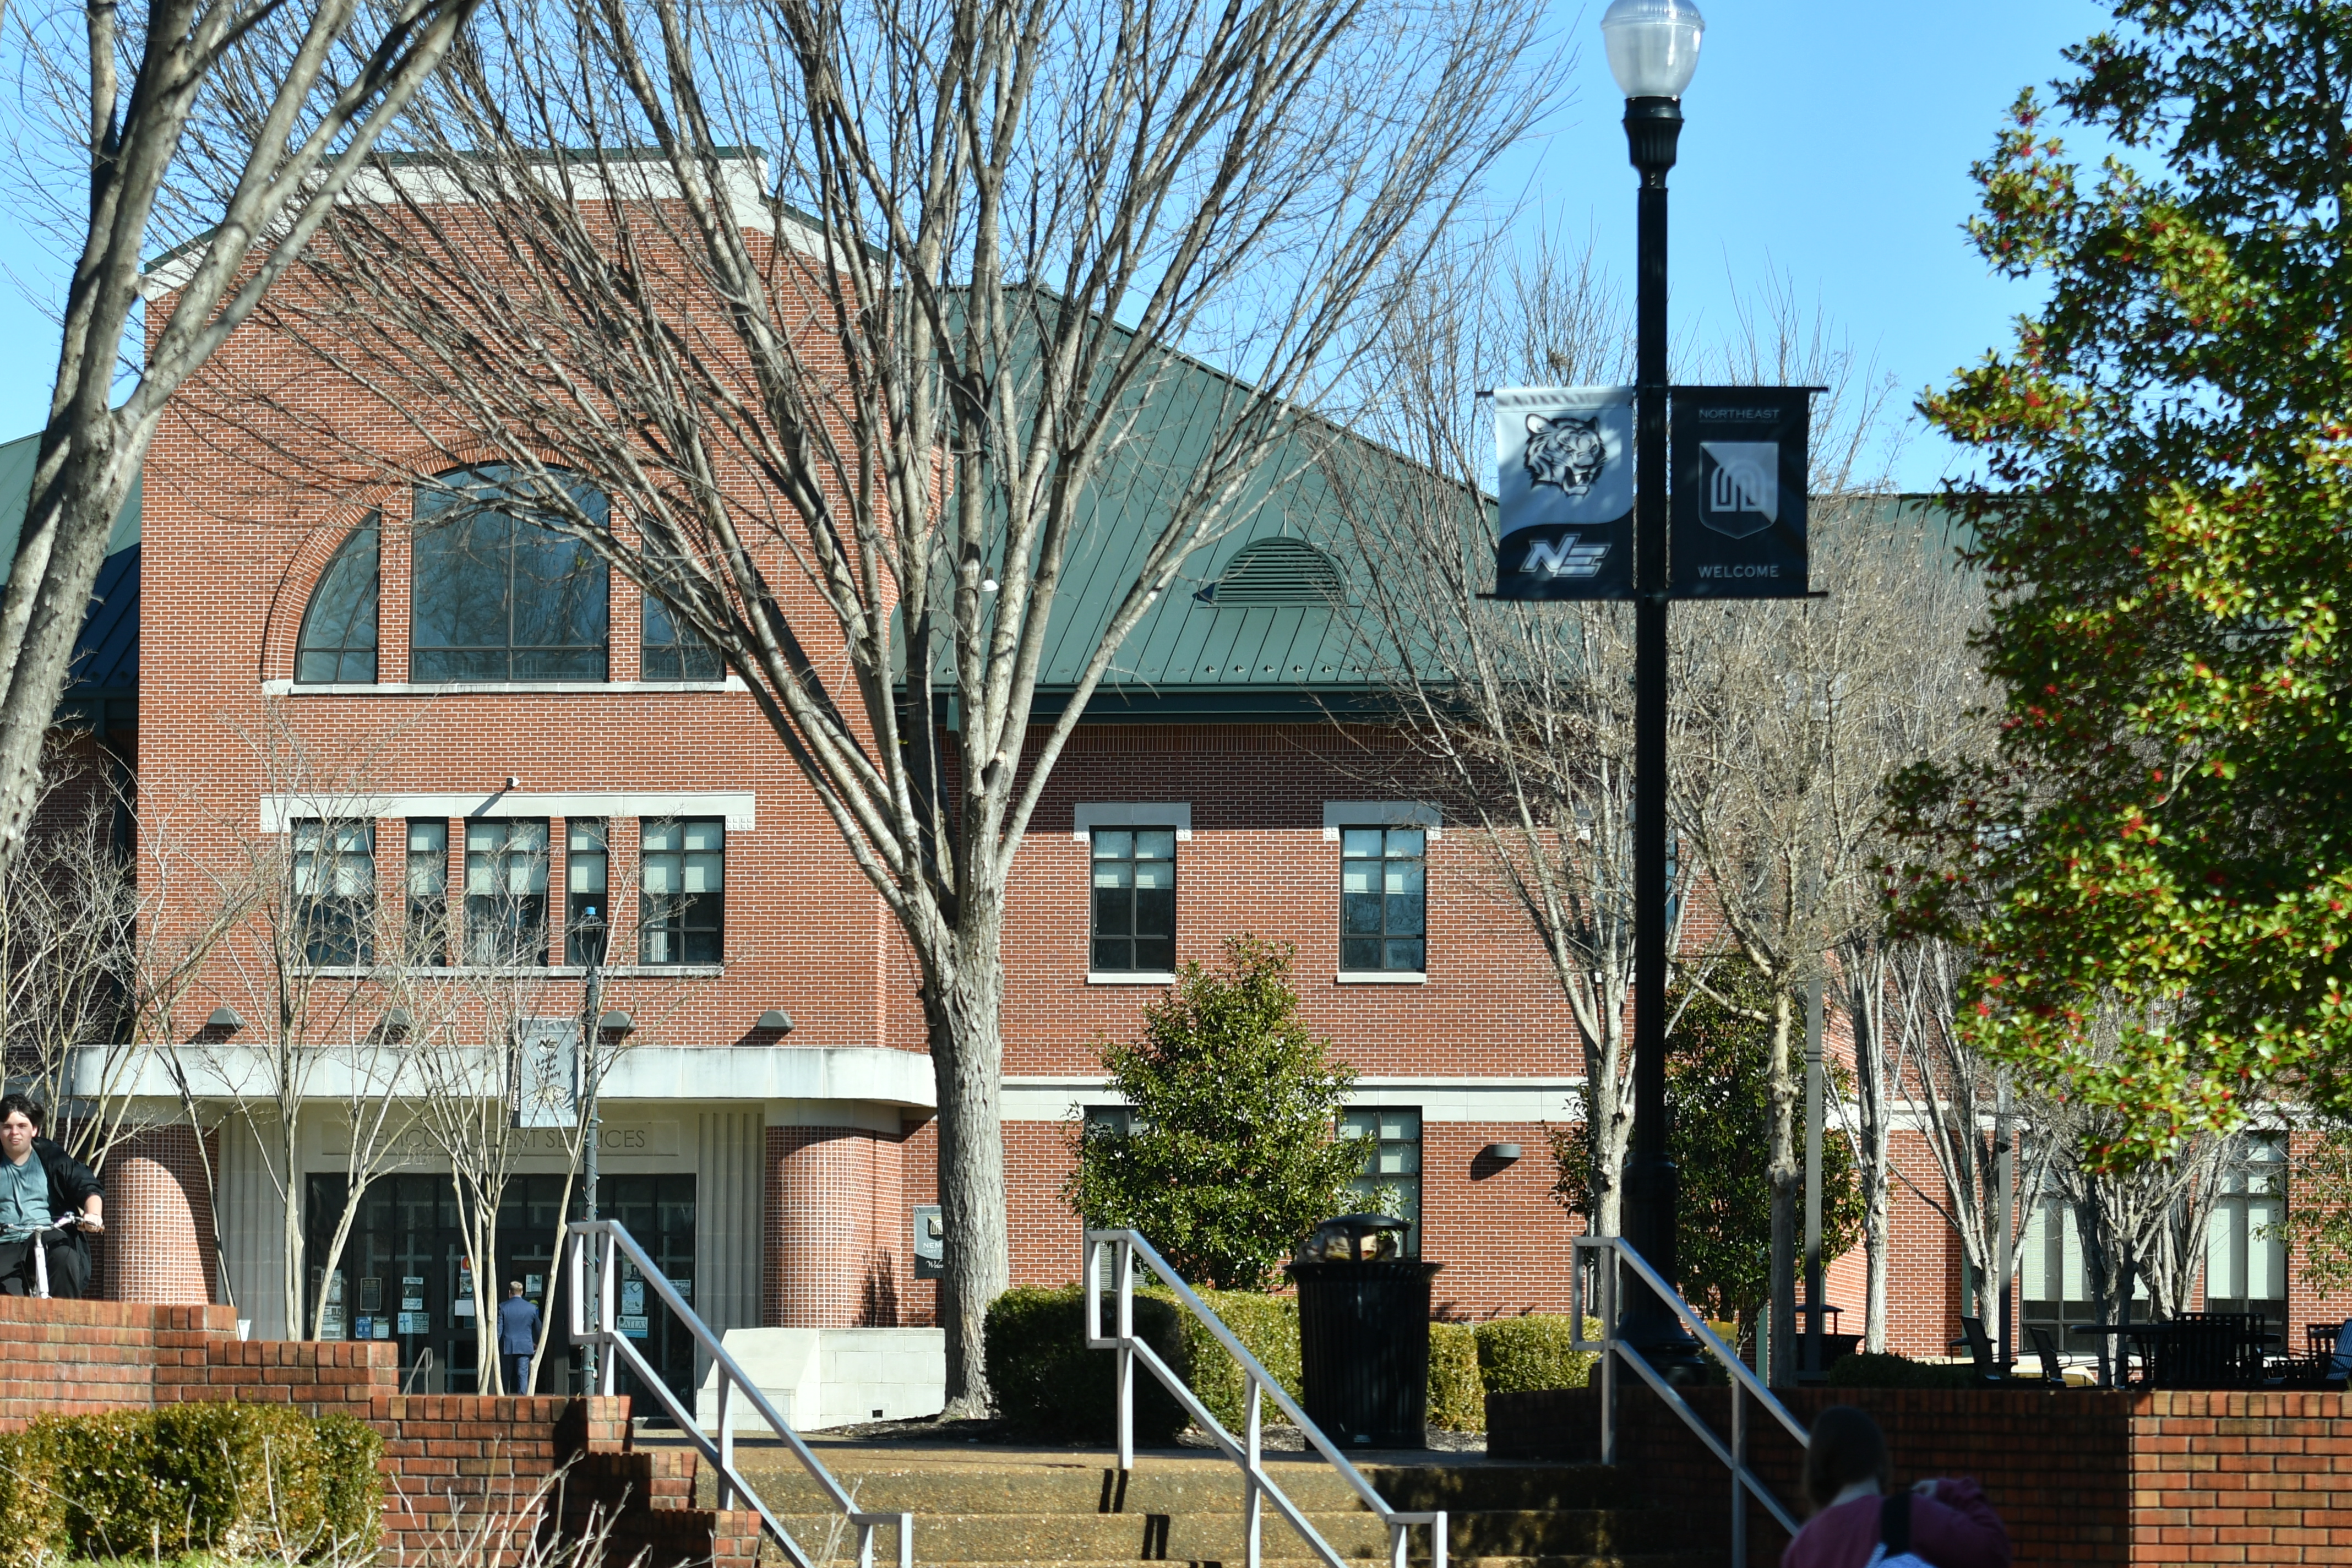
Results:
x,y
398,1021
616,1022
224,1017
1502,1153
776,1021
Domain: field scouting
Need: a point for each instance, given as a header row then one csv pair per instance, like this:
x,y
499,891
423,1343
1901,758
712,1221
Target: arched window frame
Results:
x,y
340,636
439,655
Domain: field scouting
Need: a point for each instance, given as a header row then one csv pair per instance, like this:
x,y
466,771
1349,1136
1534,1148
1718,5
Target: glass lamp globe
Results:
x,y
1653,45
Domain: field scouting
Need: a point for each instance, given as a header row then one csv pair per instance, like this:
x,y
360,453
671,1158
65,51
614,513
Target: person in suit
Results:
x,y
517,1336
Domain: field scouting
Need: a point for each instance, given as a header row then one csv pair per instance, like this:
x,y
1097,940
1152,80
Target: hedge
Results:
x,y
1531,1353
1457,1392
235,1480
1267,1327
1049,1385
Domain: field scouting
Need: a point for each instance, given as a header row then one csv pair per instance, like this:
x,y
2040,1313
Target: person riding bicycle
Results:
x,y
40,1183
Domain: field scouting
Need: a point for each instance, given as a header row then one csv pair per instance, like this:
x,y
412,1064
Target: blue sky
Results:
x,y
1827,140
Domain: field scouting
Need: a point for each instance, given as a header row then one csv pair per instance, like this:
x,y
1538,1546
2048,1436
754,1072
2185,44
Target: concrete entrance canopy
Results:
x,y
846,1077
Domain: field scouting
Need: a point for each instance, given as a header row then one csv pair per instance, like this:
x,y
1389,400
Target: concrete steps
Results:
x,y
999,1509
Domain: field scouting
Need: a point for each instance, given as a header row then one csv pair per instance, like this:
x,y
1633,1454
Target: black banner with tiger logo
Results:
x,y
1564,473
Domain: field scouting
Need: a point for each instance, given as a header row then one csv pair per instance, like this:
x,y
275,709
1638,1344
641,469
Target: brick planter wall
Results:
x,y
456,1467
2082,1476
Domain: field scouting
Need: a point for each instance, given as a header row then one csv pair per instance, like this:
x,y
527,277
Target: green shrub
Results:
x,y
1048,1383
234,1481
1523,1355
32,1508
1865,1370
1457,1392
353,1502
1267,1327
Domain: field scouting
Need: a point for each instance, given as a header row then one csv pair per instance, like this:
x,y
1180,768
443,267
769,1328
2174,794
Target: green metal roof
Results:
x,y
106,656
1282,646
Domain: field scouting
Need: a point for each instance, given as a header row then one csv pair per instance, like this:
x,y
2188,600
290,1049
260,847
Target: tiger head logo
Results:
x,y
1566,451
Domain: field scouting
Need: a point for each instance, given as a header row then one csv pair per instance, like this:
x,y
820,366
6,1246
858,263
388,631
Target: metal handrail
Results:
x,y
1249,1450
618,1244
1734,1453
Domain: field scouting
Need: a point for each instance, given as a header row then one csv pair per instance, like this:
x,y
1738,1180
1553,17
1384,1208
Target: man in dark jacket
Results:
x,y
40,1183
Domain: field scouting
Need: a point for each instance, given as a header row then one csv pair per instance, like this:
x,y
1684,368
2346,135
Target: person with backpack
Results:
x,y
1942,1523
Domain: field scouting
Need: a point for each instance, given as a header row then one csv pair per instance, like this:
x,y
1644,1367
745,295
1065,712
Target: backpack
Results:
x,y
1894,1549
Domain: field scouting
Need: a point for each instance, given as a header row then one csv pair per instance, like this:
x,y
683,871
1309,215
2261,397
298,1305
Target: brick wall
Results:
x,y
835,1213
475,1469
2083,1475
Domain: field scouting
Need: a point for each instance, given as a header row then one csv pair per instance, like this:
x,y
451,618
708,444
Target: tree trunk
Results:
x,y
1788,1185
289,1152
70,519
1875,1238
1610,1129
960,1016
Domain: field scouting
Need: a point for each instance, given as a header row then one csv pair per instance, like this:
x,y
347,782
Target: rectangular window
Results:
x,y
1134,899
1382,871
428,891
682,877
2245,1243
586,866
505,891
671,650
2053,1285
1391,1182
334,890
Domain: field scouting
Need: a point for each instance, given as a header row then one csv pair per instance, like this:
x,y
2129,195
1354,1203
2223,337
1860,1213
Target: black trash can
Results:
x,y
1363,1332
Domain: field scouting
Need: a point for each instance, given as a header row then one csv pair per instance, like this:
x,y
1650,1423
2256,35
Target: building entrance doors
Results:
x,y
404,1274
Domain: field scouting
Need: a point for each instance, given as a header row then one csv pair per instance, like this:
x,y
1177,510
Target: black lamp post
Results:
x,y
1653,49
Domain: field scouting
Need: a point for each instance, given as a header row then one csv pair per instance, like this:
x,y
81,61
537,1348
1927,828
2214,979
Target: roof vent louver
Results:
x,y
1276,572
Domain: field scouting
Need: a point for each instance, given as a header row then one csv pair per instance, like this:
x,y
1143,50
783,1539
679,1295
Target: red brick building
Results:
x,y
443,719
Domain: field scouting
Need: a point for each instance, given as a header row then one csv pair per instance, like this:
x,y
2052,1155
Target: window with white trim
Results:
x,y
334,890
1389,1182
2245,1239
506,891
682,877
1383,902
1133,918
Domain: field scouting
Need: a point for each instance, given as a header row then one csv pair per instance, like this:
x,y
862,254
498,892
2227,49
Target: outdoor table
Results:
x,y
2149,1332
2106,1380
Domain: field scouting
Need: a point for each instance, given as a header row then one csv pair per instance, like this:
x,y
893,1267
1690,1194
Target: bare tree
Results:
x,y
2143,1223
1777,790
88,983
860,411
312,968
1522,715
271,106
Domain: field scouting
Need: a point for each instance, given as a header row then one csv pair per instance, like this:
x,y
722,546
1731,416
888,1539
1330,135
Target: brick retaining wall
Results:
x,y
454,1466
2083,1475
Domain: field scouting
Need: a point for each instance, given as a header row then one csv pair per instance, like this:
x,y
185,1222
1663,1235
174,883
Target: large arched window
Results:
x,y
498,595
338,641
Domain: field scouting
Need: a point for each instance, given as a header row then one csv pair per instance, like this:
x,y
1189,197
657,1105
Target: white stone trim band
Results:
x,y
739,807
1088,816
1339,813
1554,1099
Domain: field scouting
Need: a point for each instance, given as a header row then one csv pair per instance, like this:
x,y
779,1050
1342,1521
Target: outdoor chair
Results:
x,y
1988,1364
2045,1348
